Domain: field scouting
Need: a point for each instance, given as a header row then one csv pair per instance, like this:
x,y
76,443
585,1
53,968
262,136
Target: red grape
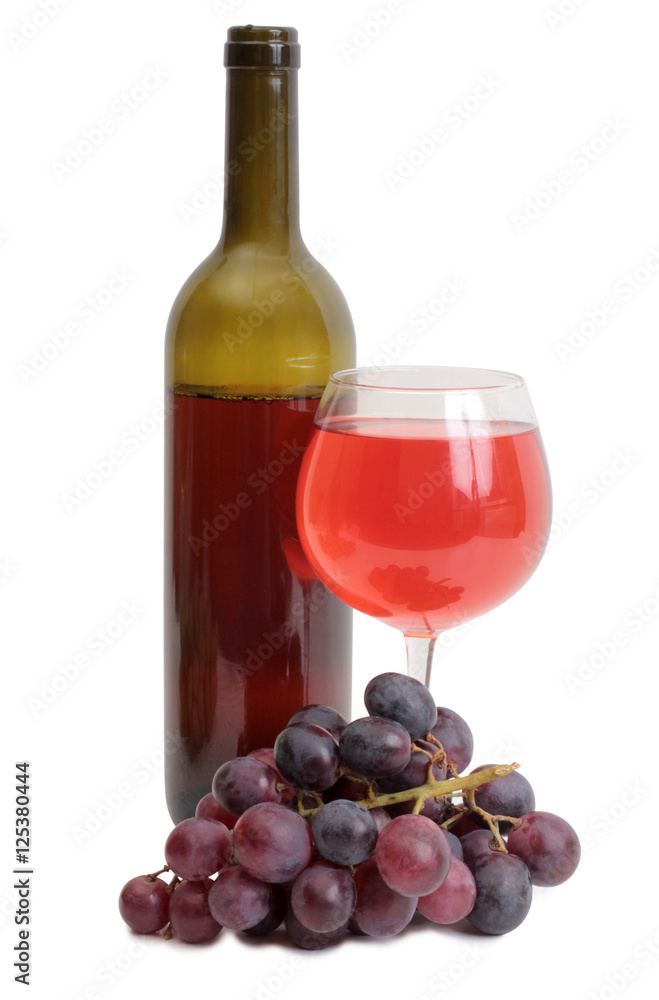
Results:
x,y
413,855
243,782
311,940
237,900
274,916
197,848
323,897
454,899
548,846
380,912
272,842
190,915
144,904
210,808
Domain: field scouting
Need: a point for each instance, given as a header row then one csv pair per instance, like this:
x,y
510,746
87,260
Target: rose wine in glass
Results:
x,y
424,496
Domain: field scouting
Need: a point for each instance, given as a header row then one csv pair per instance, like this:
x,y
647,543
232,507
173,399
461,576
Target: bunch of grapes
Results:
x,y
352,828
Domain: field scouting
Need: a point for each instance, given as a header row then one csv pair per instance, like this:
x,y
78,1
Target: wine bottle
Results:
x,y
251,634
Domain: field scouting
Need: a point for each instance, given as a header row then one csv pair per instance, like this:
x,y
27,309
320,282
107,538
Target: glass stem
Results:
x,y
420,649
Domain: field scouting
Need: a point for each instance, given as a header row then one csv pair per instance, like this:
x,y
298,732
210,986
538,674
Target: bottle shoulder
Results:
x,y
243,306
227,280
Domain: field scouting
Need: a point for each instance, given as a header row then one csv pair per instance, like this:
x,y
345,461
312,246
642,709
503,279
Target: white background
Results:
x,y
530,677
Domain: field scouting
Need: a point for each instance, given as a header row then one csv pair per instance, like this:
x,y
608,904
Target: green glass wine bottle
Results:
x,y
251,634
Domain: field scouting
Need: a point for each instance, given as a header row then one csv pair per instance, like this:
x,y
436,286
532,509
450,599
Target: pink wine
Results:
x,y
424,524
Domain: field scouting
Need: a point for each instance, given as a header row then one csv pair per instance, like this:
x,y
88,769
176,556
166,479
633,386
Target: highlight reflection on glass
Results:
x,y
424,497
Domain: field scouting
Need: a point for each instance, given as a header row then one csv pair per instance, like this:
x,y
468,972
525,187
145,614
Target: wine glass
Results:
x,y
424,497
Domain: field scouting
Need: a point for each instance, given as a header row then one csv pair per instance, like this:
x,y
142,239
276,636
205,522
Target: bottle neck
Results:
x,y
261,158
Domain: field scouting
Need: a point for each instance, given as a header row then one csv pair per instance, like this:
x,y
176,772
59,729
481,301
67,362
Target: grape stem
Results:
x,y
469,799
440,755
154,875
458,814
432,789
301,795
492,821
174,882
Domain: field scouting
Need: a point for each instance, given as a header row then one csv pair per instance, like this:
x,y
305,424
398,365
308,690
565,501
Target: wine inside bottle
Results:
x,y
251,634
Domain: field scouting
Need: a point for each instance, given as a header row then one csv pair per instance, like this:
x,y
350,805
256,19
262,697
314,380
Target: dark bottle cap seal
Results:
x,y
253,47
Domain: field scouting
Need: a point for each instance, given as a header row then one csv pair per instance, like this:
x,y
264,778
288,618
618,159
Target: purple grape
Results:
x,y
308,756
237,900
475,844
503,893
197,848
375,748
413,856
455,736
144,904
380,912
274,916
244,782
454,845
311,940
403,700
324,897
209,808
510,795
415,773
454,899
320,715
190,915
344,832
272,842
548,846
